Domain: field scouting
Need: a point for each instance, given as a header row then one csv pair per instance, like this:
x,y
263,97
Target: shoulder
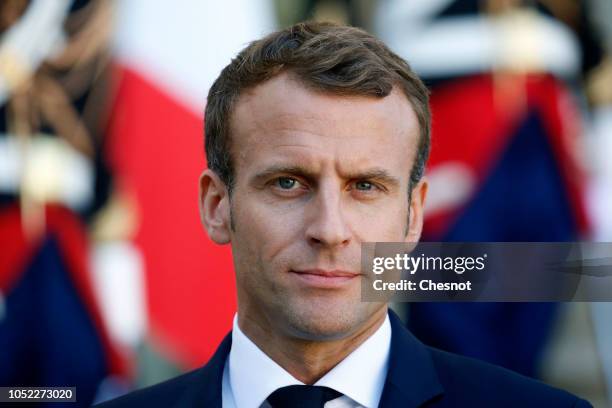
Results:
x,y
444,379
164,394
471,382
195,388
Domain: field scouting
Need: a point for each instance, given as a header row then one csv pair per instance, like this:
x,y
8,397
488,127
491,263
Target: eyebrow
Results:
x,y
375,174
298,171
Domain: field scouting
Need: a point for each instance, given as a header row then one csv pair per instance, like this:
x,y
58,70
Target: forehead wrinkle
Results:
x,y
255,125
356,165
316,168
268,104
266,111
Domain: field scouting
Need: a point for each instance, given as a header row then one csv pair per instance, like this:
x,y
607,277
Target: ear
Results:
x,y
417,204
215,207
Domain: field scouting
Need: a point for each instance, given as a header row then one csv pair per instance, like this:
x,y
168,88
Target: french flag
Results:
x,y
167,55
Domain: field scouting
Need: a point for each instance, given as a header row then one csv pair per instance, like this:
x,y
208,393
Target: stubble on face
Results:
x,y
325,143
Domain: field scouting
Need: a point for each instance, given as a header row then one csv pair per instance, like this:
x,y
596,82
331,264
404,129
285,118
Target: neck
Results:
x,y
308,360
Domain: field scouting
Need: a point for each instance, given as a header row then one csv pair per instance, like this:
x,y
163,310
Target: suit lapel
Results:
x,y
411,379
204,387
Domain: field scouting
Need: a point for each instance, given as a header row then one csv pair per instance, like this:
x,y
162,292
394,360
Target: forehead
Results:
x,y
283,119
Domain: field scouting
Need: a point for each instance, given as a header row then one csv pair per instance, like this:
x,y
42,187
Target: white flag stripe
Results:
x,y
183,45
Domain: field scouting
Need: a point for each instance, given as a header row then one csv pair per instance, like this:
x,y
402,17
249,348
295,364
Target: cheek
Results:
x,y
384,222
265,231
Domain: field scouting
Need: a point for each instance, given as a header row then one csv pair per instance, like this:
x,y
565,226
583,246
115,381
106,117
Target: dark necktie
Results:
x,y
302,396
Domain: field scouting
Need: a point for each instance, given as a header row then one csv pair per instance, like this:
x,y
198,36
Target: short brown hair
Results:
x,y
325,57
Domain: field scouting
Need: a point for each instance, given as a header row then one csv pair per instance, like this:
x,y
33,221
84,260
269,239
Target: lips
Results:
x,y
324,278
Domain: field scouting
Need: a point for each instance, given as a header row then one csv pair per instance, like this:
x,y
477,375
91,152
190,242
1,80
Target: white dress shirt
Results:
x,y
250,376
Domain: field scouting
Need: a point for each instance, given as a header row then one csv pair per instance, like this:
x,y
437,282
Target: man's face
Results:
x,y
316,175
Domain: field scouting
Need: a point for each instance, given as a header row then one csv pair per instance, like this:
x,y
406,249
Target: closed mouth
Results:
x,y
324,278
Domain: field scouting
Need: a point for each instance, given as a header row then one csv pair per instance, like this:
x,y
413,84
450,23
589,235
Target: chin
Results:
x,y
320,322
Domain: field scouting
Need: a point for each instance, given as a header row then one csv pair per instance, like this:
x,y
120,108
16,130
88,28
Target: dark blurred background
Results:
x,y
107,280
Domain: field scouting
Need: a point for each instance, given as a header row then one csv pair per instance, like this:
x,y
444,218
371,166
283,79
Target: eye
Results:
x,y
286,183
286,186
364,186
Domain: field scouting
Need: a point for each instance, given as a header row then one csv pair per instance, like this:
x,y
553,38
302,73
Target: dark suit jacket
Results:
x,y
418,376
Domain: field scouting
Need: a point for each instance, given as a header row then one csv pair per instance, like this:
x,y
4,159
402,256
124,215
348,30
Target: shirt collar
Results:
x,y
360,376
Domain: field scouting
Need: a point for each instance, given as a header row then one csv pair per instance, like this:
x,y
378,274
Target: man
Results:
x,y
317,138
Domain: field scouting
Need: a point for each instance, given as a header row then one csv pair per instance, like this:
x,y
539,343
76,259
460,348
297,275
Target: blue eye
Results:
x,y
364,185
286,183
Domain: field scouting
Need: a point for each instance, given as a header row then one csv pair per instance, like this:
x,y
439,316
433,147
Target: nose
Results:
x,y
327,225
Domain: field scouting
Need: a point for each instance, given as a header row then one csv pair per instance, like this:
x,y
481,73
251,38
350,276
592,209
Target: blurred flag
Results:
x,y
52,180
515,177
506,151
167,55
513,144
51,329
